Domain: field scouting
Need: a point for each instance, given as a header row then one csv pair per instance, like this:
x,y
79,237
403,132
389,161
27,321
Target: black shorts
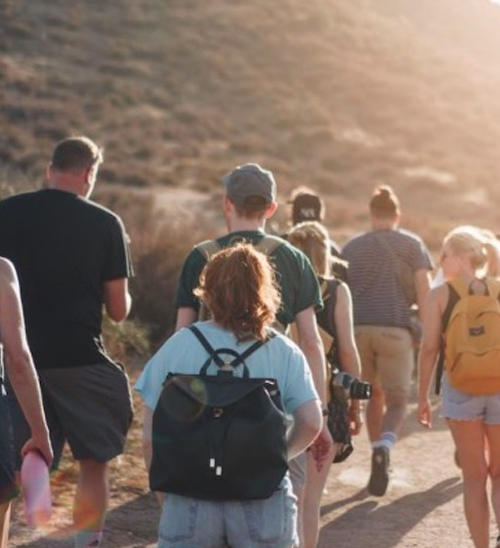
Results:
x,y
8,489
89,406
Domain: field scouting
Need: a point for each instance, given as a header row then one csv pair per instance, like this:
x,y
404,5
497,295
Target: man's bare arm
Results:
x,y
117,299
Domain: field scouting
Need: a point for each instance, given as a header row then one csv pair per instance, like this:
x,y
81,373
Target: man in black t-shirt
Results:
x,y
72,258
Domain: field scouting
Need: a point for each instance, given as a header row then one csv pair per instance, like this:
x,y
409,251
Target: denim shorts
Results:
x,y
461,406
192,523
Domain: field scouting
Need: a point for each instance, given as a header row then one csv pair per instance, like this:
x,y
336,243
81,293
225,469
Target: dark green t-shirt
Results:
x,y
295,276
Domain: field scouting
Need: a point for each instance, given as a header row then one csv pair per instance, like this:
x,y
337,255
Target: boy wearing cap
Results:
x,y
249,200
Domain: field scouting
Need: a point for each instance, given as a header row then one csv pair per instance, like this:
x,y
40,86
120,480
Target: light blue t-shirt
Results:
x,y
280,359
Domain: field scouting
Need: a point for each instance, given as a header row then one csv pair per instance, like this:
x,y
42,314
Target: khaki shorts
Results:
x,y
387,357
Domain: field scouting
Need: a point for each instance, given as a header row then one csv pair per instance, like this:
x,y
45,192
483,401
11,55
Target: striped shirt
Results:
x,y
377,294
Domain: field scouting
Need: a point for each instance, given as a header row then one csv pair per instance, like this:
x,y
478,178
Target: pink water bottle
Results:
x,y
35,483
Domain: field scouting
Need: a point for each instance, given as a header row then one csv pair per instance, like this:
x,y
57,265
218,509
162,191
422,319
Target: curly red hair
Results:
x,y
238,287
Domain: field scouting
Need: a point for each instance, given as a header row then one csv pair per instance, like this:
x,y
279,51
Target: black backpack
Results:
x,y
219,437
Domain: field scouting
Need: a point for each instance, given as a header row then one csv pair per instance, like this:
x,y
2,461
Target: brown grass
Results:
x,y
336,95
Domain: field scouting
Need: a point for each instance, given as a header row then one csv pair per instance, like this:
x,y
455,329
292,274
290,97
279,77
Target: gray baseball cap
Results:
x,y
250,185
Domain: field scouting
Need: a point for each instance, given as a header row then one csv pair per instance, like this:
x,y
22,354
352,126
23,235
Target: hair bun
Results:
x,y
384,201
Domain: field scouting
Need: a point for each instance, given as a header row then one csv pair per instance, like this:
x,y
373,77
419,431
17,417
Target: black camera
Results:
x,y
355,389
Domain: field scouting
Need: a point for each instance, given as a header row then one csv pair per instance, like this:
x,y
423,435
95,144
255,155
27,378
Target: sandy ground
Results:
x,y
422,508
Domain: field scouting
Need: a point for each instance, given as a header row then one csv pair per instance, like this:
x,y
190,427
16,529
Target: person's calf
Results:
x,y
375,413
4,523
91,499
395,413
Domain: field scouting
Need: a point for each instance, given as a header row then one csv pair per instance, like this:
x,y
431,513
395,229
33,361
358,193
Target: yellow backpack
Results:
x,y
472,340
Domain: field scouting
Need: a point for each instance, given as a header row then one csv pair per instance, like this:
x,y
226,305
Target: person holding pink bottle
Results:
x,y
24,381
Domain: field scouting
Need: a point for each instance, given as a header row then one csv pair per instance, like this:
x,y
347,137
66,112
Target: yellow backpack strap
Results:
x,y
208,248
494,287
268,244
460,286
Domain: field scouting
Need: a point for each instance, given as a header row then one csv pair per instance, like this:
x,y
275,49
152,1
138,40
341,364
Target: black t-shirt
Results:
x,y
64,248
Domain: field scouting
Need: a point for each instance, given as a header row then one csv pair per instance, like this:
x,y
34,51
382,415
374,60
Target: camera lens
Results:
x,y
355,388
360,390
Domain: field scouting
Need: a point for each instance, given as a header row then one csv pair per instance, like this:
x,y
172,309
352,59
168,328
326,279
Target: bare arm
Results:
x,y
348,351
422,285
311,344
117,299
185,317
19,363
429,349
307,424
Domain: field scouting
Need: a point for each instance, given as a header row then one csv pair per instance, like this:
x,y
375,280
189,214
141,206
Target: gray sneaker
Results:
x,y
379,478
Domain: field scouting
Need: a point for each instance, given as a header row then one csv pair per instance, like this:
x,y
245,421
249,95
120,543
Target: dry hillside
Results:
x,y
334,94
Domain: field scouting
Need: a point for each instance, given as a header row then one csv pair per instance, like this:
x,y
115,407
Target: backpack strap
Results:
x,y
491,285
250,350
239,359
333,352
331,302
461,287
206,345
453,298
326,317
208,248
494,287
268,244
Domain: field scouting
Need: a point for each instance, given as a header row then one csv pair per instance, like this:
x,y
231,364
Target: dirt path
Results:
x,y
422,508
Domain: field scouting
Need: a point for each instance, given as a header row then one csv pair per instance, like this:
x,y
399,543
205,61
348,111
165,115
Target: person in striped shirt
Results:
x,y
388,269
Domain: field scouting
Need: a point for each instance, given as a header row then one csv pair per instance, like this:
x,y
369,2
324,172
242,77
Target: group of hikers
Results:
x,y
283,347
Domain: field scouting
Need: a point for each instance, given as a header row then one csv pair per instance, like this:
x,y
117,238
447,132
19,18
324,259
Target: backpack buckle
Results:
x,y
217,412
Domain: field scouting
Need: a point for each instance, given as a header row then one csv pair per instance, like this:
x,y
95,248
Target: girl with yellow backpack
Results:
x,y
462,320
